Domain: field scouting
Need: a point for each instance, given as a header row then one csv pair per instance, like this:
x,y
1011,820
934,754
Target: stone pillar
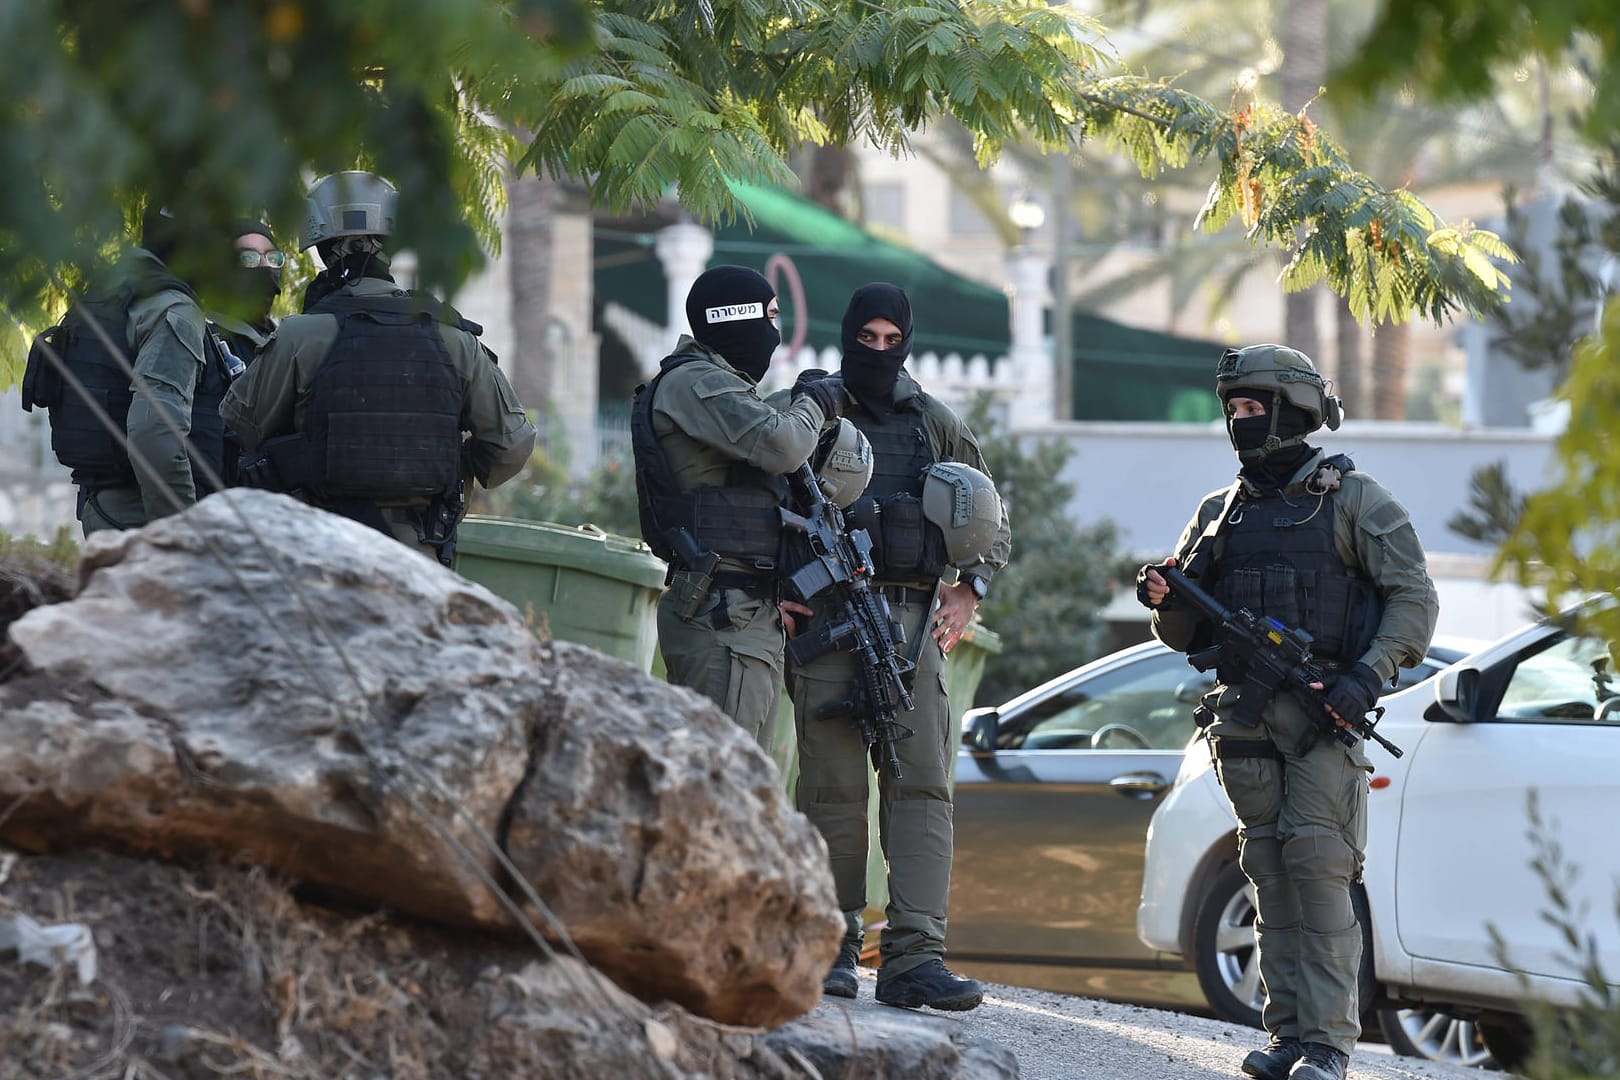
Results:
x,y
684,249
571,345
1030,355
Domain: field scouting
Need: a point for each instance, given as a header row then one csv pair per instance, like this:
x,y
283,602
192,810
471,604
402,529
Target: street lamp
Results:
x,y
1026,215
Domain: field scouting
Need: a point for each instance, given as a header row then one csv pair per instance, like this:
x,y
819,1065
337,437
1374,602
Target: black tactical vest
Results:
x,y
384,416
905,547
740,520
1277,558
80,439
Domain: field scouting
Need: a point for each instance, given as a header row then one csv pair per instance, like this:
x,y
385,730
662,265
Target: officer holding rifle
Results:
x,y
1304,539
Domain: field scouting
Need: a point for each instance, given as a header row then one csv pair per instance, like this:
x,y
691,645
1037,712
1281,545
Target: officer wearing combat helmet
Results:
x,y
1308,540
711,463
375,403
932,513
138,325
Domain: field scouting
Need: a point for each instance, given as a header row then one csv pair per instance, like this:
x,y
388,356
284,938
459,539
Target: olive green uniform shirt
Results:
x,y
272,398
708,417
164,332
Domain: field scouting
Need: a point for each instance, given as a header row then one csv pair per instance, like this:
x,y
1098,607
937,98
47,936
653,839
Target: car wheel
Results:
x,y
1509,1041
1224,955
1435,1035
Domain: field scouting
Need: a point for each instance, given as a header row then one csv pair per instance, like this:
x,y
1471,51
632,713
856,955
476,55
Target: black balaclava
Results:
x,y
726,310
259,285
1273,468
870,373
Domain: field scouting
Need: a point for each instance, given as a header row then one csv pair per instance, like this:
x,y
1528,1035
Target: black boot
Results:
x,y
1321,1062
932,984
840,980
1273,1060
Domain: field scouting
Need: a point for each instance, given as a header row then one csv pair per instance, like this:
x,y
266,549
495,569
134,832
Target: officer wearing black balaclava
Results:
x,y
710,460
1307,540
916,441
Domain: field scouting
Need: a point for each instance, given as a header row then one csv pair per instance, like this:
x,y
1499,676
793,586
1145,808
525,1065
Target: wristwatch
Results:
x,y
979,585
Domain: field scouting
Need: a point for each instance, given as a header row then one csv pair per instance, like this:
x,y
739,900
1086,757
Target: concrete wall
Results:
x,y
1149,478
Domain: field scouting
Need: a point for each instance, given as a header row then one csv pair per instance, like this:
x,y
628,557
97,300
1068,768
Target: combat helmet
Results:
x,y
963,503
348,204
1281,371
845,465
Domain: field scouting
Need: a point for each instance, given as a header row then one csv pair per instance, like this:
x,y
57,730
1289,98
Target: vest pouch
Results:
x,y
1281,586
1347,613
743,523
863,514
901,523
42,380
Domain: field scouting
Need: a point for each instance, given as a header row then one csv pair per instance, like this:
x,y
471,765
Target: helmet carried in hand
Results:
x,y
962,502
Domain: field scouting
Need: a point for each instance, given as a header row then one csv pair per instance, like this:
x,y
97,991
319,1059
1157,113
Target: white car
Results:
x,y
1450,850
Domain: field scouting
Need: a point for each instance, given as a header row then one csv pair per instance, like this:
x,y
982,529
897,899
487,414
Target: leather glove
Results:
x,y
1351,694
826,390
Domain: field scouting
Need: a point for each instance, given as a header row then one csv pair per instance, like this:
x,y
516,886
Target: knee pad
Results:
x,y
1314,853
1261,857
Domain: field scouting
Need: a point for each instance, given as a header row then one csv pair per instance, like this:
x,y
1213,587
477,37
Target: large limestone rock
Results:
x,y
264,681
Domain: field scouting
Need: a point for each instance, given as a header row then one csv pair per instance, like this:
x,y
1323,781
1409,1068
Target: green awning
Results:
x,y
1121,372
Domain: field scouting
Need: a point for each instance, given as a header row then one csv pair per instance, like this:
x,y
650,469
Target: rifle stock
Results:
x,y
1275,657
840,569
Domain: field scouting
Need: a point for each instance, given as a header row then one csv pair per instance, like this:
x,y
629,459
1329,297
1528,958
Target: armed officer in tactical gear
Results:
x,y
711,463
376,403
932,513
139,316
1308,540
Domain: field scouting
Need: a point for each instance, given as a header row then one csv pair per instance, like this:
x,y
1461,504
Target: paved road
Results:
x,y
1059,1037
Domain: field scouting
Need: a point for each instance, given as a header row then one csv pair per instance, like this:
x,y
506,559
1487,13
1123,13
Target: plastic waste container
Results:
x,y
586,585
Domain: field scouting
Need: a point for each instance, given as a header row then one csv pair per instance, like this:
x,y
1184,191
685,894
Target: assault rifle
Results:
x,y
1273,657
855,618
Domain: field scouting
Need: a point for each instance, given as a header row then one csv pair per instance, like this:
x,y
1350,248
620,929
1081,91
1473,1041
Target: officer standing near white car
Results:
x,y
1307,540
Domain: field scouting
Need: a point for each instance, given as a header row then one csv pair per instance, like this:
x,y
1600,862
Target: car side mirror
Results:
x,y
1456,694
979,730
1192,691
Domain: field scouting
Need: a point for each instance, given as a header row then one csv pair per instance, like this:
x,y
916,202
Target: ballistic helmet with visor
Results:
x,y
963,503
348,204
845,466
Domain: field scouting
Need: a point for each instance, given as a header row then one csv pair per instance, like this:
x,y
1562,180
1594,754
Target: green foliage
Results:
x,y
605,498
1581,1042
62,549
1454,48
219,106
1046,603
1568,539
1494,507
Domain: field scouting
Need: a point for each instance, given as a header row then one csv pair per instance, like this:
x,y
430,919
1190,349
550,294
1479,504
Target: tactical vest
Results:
x,y
740,520
80,439
905,547
384,416
1277,558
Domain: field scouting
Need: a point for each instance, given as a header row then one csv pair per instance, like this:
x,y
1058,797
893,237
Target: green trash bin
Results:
x,y
587,586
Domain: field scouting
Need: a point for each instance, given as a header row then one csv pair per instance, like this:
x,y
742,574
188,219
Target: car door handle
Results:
x,y
1138,785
